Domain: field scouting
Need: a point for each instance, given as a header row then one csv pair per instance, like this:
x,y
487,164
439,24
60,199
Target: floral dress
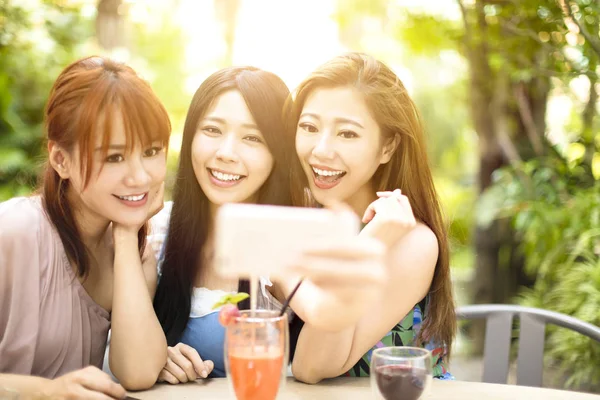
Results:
x,y
405,334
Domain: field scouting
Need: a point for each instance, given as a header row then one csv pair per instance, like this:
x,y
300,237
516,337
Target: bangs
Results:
x,y
123,99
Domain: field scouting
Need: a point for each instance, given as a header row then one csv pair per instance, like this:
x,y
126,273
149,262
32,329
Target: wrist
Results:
x,y
45,388
122,234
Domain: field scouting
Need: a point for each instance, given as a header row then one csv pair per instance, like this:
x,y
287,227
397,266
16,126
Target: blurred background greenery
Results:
x,y
508,90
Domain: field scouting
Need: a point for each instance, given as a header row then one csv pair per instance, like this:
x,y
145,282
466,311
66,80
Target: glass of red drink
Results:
x,y
400,373
256,354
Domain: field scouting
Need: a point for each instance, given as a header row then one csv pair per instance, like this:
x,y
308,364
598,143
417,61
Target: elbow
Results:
x,y
307,373
140,380
136,377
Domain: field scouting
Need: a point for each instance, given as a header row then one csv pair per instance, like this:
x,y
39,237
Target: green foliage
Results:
x,y
555,210
426,34
349,11
160,51
35,44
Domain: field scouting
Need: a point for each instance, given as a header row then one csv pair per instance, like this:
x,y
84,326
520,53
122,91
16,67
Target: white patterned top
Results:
x,y
203,298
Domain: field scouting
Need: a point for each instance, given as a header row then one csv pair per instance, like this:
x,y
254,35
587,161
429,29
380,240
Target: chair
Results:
x,y
499,319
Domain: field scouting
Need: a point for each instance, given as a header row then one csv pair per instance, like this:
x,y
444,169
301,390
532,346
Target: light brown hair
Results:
x,y
408,169
87,92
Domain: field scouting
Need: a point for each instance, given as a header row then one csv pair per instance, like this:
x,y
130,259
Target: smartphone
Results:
x,y
263,240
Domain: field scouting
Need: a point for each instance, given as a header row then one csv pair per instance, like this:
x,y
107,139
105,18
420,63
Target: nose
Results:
x,y
226,151
137,174
324,149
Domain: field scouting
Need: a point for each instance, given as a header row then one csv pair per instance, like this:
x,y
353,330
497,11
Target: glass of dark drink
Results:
x,y
400,373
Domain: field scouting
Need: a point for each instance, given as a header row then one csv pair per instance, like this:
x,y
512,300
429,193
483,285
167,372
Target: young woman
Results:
x,y
357,133
234,150
72,258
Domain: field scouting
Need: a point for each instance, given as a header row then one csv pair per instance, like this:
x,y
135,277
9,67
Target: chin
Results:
x,y
221,201
129,221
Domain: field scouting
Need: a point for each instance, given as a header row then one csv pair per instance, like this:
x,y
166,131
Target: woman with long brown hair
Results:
x,y
233,150
73,259
359,140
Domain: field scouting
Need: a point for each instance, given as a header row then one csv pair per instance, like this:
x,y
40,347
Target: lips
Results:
x,y
133,200
224,179
325,177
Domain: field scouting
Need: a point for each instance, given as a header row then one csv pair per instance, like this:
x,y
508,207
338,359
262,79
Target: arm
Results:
x,y
26,386
87,383
138,349
324,354
21,265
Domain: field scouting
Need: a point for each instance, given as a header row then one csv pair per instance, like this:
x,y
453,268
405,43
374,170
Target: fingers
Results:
x,y
166,376
84,393
369,212
387,194
193,358
176,371
97,381
183,362
382,204
209,365
406,204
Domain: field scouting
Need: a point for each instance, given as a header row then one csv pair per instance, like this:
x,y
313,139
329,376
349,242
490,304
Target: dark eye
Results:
x,y
348,134
211,130
253,138
308,127
115,158
152,151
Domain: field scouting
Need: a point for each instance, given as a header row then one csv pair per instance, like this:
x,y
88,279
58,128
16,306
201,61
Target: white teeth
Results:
x,y
224,177
132,198
322,172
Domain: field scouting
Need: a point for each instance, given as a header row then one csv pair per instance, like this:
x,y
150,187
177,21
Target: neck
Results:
x,y
212,212
361,199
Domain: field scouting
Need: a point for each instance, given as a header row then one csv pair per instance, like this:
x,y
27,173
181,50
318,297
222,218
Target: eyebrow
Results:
x,y
224,122
113,147
338,120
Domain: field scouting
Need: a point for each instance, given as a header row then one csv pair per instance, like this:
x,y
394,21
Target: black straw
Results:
x,y
286,304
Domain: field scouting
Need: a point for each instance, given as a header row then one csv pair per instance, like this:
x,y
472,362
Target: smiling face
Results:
x,y
119,182
340,145
230,157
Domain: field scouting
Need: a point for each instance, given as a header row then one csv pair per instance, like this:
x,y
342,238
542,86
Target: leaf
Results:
x,y
231,299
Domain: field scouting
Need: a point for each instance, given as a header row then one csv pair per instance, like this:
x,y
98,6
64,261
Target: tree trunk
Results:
x,y
110,24
227,12
509,118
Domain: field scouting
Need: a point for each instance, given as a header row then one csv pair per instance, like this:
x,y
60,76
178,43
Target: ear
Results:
x,y
389,148
59,159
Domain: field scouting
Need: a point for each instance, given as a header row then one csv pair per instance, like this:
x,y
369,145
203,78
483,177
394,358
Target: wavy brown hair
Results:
x,y
396,113
87,92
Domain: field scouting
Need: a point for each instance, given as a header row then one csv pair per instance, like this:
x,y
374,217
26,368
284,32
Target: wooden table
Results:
x,y
358,388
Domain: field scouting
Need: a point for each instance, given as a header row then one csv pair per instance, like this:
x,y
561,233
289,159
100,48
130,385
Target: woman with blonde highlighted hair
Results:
x,y
73,259
360,141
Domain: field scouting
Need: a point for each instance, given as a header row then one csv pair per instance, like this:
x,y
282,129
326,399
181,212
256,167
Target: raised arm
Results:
x,y
322,353
362,311
138,347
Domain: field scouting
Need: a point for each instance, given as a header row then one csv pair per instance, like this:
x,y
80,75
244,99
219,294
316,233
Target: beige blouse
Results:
x,y
49,325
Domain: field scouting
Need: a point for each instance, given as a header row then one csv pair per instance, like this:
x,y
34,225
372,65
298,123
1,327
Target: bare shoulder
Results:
x,y
419,249
423,237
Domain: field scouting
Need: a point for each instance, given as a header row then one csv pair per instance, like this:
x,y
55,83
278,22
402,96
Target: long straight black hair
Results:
x,y
265,95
